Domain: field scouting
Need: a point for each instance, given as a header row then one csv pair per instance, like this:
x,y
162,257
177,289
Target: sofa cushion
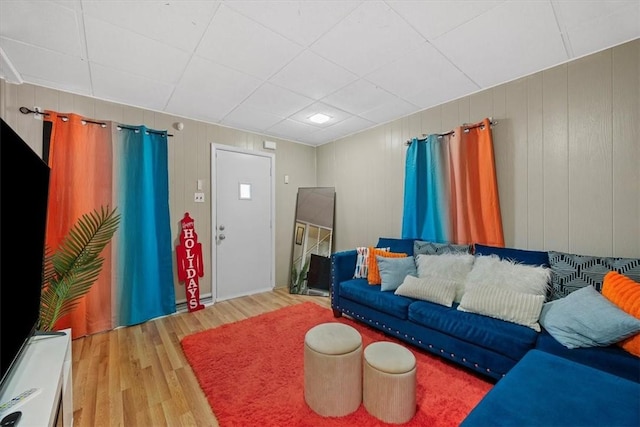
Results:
x,y
571,272
370,295
585,318
625,294
506,338
436,290
394,270
396,245
546,390
421,247
610,359
518,255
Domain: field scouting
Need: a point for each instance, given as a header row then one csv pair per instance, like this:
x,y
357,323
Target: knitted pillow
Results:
x,y
373,276
624,293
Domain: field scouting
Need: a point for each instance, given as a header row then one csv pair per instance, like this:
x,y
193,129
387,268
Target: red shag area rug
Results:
x,y
253,375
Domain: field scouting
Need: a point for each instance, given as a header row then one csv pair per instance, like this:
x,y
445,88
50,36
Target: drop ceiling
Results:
x,y
267,66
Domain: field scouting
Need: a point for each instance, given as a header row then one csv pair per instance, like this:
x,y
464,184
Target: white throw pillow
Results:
x,y
504,304
453,267
439,291
491,270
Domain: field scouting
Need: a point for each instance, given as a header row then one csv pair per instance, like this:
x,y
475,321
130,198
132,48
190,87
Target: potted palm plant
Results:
x,y
70,272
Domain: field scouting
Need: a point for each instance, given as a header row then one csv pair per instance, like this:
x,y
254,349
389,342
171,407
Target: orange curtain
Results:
x,y
475,205
80,157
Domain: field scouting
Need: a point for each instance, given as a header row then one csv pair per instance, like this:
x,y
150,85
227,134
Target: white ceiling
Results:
x,y
266,66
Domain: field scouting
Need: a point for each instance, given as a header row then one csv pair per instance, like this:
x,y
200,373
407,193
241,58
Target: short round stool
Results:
x,y
389,382
333,369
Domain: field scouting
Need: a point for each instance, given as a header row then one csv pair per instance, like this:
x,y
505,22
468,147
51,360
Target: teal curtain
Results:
x,y
144,246
426,192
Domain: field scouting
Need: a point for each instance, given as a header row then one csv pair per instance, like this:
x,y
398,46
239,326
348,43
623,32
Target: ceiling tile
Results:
x,y
132,53
623,25
312,76
347,127
49,68
44,24
180,24
240,43
423,77
291,129
209,91
434,18
390,110
121,87
376,35
276,100
359,97
245,117
508,42
300,21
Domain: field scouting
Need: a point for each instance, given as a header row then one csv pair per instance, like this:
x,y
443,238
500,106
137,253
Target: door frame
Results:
x,y
214,220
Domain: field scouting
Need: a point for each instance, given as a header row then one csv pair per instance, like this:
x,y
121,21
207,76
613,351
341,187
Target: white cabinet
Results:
x,y
46,366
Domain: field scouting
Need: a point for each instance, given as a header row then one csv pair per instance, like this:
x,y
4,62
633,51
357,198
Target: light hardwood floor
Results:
x,y
138,376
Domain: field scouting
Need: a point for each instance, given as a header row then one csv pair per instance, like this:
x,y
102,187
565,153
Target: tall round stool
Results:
x,y
333,369
389,382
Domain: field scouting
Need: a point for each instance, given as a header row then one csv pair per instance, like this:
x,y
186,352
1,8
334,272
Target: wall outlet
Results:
x,y
198,198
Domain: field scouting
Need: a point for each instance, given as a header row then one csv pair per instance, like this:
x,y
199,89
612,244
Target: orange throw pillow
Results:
x,y
373,276
624,293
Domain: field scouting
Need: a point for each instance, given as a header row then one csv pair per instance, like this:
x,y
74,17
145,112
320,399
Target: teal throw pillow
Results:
x,y
394,270
585,318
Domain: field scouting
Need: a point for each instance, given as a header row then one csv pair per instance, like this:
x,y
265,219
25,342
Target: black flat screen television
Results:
x,y
24,192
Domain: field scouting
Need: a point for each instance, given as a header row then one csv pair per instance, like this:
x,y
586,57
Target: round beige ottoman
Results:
x,y
333,369
389,382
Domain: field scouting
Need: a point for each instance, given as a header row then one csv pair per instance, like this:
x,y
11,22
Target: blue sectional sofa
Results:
x,y
490,346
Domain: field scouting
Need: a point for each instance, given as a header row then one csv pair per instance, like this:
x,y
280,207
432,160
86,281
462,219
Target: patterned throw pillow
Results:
x,y
625,294
571,272
433,248
373,276
362,262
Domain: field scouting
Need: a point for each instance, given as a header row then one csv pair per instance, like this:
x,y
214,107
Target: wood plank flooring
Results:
x,y
138,376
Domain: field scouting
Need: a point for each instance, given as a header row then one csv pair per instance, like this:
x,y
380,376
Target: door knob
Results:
x,y
222,237
221,228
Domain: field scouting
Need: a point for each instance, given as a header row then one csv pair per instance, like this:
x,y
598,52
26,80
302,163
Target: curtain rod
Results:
x,y
25,110
466,127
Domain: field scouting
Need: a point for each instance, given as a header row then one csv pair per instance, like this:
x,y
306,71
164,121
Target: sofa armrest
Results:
x,y
343,264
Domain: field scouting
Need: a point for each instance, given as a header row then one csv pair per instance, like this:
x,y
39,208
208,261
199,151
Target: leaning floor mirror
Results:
x,y
312,241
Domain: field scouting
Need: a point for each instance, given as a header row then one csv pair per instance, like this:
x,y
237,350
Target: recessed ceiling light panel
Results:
x,y
319,118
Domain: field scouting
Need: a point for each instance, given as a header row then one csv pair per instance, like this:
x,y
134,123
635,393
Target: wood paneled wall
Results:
x,y
189,160
567,148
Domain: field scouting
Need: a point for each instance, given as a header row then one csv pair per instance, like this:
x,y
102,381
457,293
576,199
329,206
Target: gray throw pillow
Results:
x,y
585,318
394,270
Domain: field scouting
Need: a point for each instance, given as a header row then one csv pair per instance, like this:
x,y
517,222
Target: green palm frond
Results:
x,y
70,272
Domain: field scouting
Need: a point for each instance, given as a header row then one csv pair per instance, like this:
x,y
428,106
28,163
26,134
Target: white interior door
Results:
x,y
243,232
